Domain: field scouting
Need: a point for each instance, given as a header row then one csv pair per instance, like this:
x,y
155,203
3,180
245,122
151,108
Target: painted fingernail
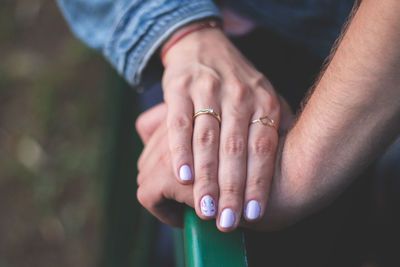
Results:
x,y
184,173
207,206
253,210
227,218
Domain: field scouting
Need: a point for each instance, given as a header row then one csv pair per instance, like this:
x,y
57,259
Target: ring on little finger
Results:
x,y
267,121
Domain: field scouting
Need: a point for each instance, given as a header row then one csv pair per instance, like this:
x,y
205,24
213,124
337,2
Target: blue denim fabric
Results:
x,y
129,32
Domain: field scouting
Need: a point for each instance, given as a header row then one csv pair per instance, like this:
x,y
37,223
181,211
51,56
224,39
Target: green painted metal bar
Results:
x,y
206,246
128,230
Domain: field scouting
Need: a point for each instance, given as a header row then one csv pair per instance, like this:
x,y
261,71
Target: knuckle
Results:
x,y
266,98
149,196
233,145
272,103
165,159
206,183
260,80
143,197
205,178
232,189
239,92
164,184
206,174
179,123
180,149
208,83
206,137
177,83
263,146
256,183
140,163
140,123
208,168
265,93
140,178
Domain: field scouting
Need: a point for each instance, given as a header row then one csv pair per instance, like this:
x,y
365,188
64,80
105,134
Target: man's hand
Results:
x,y
158,191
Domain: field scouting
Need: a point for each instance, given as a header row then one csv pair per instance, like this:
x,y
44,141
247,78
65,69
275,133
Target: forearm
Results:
x,y
353,114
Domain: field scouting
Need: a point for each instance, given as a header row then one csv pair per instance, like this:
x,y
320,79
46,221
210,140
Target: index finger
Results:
x,y
180,128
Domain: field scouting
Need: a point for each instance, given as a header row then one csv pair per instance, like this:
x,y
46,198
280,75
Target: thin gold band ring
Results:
x,y
208,111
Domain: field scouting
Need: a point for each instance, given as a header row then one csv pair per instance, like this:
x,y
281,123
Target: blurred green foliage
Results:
x,y
53,123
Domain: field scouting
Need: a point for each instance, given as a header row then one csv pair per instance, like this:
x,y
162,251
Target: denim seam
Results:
x,y
118,21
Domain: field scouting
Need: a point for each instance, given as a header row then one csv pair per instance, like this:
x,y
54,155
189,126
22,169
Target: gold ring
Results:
x,y
208,111
266,120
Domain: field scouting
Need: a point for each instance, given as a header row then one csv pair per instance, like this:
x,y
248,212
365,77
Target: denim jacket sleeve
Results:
x,y
129,32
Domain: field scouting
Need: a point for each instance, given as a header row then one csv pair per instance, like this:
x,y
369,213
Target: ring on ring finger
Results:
x,y
208,111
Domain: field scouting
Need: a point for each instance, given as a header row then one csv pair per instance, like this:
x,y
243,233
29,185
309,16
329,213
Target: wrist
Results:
x,y
186,30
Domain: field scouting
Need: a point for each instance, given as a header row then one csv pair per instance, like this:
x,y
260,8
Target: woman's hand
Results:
x,y
161,194
226,160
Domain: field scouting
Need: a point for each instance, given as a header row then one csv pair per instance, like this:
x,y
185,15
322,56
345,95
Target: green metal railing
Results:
x,y
206,246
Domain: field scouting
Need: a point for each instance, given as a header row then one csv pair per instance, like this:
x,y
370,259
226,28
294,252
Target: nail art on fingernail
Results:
x,y
253,210
227,218
207,206
184,173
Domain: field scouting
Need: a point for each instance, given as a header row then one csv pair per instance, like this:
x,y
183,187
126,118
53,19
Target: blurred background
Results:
x,y
57,126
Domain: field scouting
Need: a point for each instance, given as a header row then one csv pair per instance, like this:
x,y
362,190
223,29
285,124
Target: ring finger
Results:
x,y
262,144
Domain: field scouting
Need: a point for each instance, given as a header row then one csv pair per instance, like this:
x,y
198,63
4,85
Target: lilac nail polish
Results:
x,y
184,173
207,206
227,218
253,210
